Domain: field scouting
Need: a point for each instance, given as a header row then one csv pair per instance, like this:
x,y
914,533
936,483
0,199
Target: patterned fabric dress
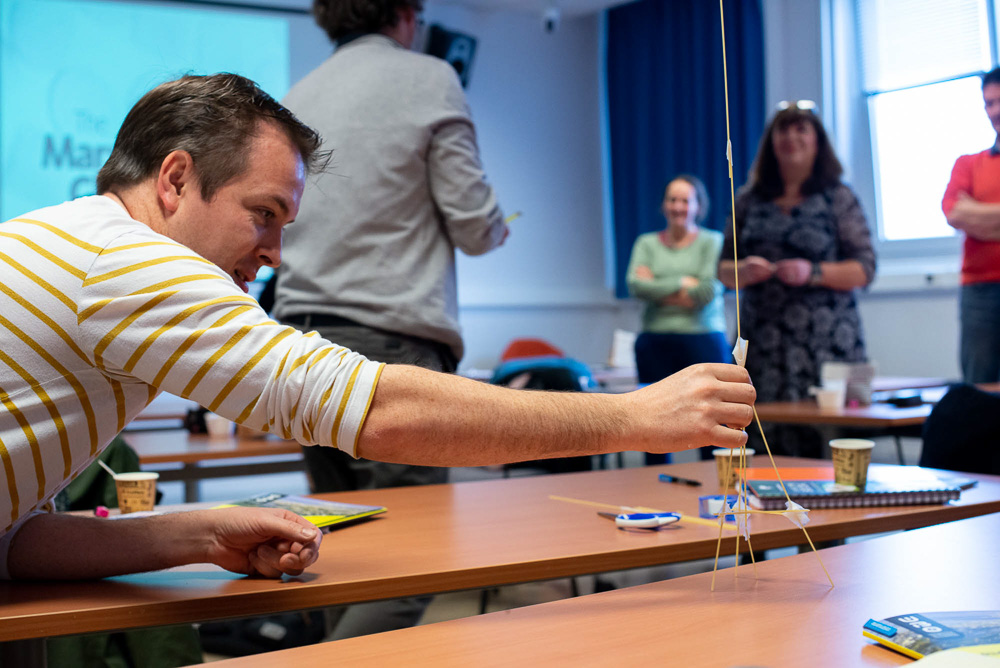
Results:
x,y
793,330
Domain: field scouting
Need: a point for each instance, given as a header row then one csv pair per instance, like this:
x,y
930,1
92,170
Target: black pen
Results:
x,y
666,477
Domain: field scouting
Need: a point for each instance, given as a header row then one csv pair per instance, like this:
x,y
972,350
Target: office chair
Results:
x,y
960,435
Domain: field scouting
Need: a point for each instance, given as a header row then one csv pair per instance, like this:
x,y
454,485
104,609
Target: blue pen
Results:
x,y
666,477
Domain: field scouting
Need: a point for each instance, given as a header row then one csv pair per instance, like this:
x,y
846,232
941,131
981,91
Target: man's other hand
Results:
x,y
263,541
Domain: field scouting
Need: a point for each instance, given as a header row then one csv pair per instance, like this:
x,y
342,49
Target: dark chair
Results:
x,y
960,434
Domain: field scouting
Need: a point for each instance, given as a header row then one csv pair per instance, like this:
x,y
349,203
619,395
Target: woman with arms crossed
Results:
x,y
673,271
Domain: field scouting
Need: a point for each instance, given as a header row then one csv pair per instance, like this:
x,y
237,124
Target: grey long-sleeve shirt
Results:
x,y
375,236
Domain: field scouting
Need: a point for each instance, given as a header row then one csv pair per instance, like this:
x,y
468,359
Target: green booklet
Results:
x,y
921,633
324,514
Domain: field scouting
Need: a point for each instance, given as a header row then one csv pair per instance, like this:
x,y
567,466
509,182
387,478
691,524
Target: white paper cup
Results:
x,y
832,396
851,457
136,491
218,426
727,461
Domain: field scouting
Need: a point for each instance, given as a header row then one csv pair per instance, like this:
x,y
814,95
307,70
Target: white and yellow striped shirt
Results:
x,y
98,313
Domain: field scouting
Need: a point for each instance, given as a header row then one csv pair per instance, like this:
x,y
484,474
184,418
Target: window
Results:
x,y
920,65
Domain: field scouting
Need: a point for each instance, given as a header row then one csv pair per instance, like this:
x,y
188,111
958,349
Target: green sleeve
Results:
x,y
708,282
656,289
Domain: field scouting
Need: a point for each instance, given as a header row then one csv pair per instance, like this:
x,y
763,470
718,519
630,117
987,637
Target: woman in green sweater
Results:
x,y
674,272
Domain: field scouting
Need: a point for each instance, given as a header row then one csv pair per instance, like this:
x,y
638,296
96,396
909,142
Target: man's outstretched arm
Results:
x,y
251,541
422,417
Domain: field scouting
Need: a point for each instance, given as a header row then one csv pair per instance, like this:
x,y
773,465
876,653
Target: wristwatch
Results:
x,y
816,276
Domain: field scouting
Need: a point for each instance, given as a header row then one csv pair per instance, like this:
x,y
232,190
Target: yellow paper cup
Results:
x,y
136,491
851,457
727,465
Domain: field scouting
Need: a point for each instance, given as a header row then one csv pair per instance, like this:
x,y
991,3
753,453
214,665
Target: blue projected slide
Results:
x,y
71,69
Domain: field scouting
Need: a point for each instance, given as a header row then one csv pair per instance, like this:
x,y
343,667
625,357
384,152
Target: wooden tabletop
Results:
x,y
876,416
879,416
888,383
167,407
177,445
442,538
787,617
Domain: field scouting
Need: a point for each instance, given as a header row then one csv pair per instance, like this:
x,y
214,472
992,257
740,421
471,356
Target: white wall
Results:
x,y
535,101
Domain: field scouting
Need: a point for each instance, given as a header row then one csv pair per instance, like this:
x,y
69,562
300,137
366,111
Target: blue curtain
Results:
x,y
666,108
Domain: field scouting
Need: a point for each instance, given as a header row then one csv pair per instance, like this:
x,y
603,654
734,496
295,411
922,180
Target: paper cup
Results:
x,y
851,457
832,396
727,465
136,491
218,426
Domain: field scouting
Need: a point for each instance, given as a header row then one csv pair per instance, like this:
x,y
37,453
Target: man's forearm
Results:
x,y
422,417
55,546
980,220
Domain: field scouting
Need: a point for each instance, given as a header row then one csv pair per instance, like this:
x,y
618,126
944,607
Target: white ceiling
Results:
x,y
568,8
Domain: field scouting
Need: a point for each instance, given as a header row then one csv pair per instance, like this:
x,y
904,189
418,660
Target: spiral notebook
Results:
x,y
887,486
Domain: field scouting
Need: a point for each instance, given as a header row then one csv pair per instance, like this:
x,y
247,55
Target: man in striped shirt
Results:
x,y
109,299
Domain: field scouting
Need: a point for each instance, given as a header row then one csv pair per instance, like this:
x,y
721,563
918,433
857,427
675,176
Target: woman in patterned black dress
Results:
x,y
804,247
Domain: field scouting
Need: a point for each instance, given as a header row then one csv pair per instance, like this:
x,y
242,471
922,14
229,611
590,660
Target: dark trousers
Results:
x,y
660,355
979,308
331,470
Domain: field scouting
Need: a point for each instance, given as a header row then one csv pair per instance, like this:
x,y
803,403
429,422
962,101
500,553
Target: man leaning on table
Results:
x,y
972,205
107,300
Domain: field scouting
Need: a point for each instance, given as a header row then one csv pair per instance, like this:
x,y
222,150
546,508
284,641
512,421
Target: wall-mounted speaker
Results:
x,y
455,47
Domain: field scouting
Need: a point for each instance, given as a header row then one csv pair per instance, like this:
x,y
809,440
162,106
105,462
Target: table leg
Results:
x,y
190,487
23,653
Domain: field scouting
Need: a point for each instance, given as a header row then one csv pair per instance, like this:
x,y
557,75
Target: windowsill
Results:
x,y
897,275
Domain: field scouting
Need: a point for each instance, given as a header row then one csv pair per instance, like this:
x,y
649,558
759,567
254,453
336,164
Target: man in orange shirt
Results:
x,y
972,205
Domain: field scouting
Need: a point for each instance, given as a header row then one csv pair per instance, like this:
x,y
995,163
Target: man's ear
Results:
x,y
175,180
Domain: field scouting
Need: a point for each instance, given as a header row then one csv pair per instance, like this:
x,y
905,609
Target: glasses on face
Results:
x,y
801,105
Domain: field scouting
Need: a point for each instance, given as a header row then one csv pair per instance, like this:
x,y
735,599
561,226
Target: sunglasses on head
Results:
x,y
801,105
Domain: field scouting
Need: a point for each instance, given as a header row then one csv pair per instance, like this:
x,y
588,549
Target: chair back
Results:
x,y
522,348
960,435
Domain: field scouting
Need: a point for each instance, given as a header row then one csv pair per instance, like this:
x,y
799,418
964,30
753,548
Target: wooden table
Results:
x,y
440,538
787,617
889,383
165,408
878,416
200,456
875,416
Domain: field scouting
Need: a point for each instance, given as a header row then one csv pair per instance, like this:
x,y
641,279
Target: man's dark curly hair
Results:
x,y
991,77
340,18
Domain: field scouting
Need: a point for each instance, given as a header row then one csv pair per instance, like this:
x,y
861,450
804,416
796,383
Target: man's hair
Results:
x,y
214,118
700,192
340,18
992,77
765,176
